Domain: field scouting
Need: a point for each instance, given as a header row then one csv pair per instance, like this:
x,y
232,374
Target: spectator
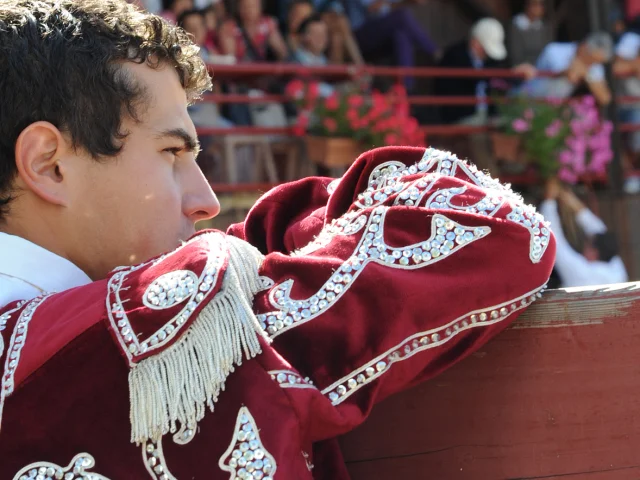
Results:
x,y
574,65
599,262
484,48
387,26
253,34
314,38
172,9
529,33
299,11
627,64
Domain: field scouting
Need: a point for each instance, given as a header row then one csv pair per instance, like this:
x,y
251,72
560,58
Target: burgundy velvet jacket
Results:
x,y
244,355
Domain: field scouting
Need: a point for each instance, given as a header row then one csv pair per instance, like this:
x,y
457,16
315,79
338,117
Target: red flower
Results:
x,y
355,101
330,124
332,102
312,92
391,139
295,89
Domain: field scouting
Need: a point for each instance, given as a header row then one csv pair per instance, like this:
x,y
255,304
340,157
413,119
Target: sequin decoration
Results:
x,y
197,291
290,379
16,344
345,387
76,470
246,458
185,434
447,237
4,318
529,218
488,206
154,461
170,289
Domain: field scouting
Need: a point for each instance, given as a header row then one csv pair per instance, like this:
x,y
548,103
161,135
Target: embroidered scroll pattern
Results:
x,y
16,344
291,379
345,387
385,181
4,318
165,292
446,238
76,470
153,458
246,458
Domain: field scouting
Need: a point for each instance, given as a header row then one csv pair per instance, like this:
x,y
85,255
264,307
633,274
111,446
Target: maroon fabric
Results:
x,y
390,326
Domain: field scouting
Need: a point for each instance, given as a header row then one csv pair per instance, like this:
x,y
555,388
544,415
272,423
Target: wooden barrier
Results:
x,y
556,396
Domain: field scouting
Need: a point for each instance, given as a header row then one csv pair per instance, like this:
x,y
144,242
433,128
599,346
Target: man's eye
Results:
x,y
173,150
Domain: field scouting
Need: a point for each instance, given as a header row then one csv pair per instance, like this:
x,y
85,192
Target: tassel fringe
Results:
x,y
175,386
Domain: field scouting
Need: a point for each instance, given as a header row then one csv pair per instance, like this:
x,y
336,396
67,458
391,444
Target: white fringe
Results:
x,y
175,385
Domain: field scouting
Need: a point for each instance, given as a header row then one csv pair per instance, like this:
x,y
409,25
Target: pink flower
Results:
x,y
567,176
553,129
520,125
528,114
295,89
566,157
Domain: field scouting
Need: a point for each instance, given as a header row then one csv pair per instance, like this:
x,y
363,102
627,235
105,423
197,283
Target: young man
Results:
x,y
216,359
599,262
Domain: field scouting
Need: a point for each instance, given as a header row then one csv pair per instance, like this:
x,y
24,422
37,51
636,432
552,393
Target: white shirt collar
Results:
x,y
22,260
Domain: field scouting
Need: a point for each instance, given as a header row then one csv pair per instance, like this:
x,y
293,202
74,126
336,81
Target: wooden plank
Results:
x,y
555,396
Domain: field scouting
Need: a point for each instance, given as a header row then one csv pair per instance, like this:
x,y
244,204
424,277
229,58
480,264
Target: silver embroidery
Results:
x,y
185,434
246,458
446,238
4,318
170,289
333,185
346,386
129,341
154,461
16,343
537,226
266,283
291,379
76,470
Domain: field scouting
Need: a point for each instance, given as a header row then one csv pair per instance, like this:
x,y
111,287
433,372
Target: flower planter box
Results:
x,y
333,152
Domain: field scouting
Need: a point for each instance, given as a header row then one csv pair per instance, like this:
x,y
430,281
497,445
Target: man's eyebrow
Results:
x,y
191,143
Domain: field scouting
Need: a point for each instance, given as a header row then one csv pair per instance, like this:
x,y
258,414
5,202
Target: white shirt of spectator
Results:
x,y
557,58
523,22
27,270
572,267
628,48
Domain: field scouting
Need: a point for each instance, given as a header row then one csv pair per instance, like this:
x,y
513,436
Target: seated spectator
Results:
x,y
574,65
599,262
387,26
314,38
484,48
172,9
203,114
529,33
253,35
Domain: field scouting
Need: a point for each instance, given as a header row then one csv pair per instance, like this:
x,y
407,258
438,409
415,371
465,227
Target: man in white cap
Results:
x,y
485,48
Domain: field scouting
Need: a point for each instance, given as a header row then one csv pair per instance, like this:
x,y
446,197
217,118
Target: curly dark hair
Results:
x,y
60,61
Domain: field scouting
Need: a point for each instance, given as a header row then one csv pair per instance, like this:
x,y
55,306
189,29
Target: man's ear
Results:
x,y
38,159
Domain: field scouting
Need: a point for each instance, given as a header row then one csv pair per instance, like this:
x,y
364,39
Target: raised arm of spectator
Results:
x,y
627,61
276,42
569,263
585,218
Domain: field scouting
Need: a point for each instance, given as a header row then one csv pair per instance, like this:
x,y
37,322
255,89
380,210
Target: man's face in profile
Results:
x,y
146,200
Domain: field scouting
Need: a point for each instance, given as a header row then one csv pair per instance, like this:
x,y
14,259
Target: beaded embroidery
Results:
x,y
154,461
168,290
16,343
290,379
76,470
4,318
446,238
246,458
345,387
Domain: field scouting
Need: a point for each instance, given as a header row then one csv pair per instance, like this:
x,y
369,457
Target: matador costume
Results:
x,y
244,355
